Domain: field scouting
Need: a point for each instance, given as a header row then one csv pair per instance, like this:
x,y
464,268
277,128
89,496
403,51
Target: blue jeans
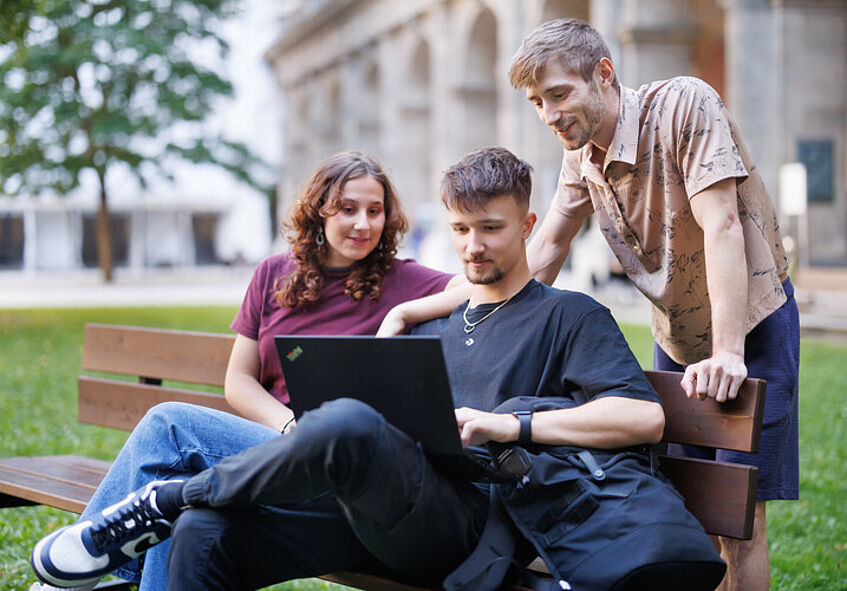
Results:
x,y
173,440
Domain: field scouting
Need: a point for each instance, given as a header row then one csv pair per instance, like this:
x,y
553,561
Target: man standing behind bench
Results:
x,y
347,491
681,203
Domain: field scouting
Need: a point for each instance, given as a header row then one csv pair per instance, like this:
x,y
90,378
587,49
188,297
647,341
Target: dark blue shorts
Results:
x,y
772,353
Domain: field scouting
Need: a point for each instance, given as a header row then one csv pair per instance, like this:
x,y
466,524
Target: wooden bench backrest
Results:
x,y
151,355
720,495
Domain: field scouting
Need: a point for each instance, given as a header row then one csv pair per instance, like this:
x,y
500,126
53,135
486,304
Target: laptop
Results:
x,y
404,378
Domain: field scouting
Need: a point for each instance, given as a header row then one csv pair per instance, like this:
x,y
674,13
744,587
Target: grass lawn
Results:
x,y
41,351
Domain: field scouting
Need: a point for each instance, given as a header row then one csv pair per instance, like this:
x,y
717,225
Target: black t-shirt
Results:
x,y
561,347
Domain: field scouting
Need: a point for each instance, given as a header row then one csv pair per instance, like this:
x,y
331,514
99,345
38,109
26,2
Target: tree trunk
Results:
x,y
104,231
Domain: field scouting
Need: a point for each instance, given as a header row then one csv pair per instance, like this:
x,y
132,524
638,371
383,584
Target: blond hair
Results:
x,y
575,43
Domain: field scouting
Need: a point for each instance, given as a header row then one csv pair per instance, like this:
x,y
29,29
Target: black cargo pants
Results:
x,y
344,490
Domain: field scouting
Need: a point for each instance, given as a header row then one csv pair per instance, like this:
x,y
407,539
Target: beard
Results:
x,y
592,113
493,275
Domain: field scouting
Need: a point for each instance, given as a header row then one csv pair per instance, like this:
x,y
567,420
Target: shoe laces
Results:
x,y
124,524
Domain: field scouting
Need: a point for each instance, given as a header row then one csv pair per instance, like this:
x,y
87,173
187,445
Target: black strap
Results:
x,y
493,559
487,565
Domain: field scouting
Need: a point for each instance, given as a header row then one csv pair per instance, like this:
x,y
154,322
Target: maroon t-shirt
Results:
x,y
261,318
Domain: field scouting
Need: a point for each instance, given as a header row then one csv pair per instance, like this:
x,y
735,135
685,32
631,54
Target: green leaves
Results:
x,y
91,84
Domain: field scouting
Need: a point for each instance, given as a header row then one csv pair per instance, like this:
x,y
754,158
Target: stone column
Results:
x,y
605,17
392,132
754,80
351,79
30,240
655,39
511,107
446,108
137,223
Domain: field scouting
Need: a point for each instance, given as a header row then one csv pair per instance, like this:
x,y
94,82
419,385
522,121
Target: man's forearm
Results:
x,y
715,210
726,278
604,423
726,275
548,249
546,259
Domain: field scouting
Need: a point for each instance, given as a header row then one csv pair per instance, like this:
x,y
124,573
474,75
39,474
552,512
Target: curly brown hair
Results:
x,y
320,199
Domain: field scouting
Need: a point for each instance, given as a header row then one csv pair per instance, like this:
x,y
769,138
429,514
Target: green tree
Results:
x,y
95,84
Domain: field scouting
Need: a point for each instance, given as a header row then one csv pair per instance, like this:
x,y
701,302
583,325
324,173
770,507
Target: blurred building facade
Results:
x,y
421,82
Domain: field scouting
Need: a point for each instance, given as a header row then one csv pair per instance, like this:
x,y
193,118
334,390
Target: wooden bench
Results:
x,y
720,495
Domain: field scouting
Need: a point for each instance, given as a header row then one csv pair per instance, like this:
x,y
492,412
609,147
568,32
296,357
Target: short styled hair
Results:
x,y
575,43
485,174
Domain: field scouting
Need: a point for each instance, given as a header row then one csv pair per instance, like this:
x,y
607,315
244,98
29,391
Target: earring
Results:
x,y
319,239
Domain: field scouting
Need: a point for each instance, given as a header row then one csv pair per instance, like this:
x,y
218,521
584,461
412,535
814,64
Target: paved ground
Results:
x,y
161,287
821,293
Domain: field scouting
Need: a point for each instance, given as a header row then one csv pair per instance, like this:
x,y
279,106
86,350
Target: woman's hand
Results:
x,y
393,324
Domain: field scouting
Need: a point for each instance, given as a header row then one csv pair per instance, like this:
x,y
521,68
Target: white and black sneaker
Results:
x,y
88,550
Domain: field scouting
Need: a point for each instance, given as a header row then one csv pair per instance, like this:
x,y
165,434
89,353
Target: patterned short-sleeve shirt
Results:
x,y
673,139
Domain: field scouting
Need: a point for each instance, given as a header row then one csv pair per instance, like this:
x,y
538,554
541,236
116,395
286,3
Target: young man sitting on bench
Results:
x,y
545,369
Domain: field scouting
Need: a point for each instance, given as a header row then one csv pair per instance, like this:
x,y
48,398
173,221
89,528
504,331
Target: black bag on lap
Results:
x,y
599,521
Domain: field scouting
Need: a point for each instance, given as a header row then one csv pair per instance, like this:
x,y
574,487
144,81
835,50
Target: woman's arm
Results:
x,y
243,390
434,306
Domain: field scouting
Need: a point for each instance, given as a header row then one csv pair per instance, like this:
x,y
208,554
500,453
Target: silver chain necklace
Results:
x,y
470,326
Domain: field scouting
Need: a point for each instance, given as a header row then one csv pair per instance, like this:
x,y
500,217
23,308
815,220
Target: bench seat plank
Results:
x,y
370,582
53,487
72,469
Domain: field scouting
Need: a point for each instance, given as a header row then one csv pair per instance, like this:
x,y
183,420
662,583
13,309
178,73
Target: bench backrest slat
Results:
x,y
202,358
156,353
120,405
734,424
701,482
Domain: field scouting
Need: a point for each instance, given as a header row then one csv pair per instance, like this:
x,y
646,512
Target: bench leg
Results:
x,y
116,585
12,501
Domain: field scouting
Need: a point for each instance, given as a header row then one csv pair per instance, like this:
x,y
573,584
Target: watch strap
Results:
x,y
525,433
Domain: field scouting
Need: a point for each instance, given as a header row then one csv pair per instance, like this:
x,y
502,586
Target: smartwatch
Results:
x,y
525,418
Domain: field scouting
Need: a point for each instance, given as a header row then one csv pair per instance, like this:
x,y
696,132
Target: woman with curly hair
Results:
x,y
340,277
